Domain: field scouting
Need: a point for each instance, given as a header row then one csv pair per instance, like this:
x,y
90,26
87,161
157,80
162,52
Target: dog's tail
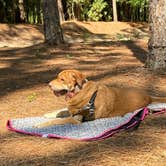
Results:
x,y
158,99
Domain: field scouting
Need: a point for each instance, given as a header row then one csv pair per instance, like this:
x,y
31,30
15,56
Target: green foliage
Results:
x,y
77,8
69,56
122,37
83,10
137,3
10,11
96,11
32,97
86,36
33,11
89,10
137,10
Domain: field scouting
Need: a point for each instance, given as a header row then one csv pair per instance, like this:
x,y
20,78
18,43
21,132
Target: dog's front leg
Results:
x,y
60,121
58,113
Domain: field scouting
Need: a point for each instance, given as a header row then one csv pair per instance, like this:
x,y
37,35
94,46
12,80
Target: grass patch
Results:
x,y
32,97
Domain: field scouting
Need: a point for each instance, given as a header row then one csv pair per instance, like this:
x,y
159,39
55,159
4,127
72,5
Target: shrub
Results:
x,y
96,11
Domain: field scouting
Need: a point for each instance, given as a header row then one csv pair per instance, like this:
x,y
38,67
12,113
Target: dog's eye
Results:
x,y
62,79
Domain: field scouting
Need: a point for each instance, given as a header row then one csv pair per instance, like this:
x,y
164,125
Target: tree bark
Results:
x,y
60,9
52,29
115,17
157,43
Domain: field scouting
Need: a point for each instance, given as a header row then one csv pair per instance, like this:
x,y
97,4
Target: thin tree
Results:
x,y
60,9
22,10
115,17
157,43
52,29
38,11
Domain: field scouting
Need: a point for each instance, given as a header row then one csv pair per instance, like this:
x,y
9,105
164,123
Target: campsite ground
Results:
x,y
112,53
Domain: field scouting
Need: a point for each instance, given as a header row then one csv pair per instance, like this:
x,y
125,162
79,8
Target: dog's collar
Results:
x,y
90,106
80,86
91,103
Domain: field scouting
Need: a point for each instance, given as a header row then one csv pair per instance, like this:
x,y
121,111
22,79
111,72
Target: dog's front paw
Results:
x,y
51,115
78,118
38,126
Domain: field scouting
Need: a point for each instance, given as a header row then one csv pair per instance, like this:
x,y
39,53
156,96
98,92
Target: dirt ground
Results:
x,y
112,53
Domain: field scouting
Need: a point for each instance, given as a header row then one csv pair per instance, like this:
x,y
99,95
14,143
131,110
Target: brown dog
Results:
x,y
108,102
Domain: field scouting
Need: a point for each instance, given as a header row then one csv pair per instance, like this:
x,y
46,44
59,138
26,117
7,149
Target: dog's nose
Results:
x,y
49,84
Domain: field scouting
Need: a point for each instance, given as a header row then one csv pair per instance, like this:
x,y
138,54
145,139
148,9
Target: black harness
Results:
x,y
90,106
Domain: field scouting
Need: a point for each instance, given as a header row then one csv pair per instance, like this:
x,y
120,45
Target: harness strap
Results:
x,y
80,86
92,103
90,106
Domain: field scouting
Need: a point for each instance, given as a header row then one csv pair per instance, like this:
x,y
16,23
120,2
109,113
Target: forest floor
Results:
x,y
112,53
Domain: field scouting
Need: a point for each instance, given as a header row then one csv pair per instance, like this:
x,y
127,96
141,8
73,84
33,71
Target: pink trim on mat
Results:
x,y
160,112
145,113
132,125
104,133
107,133
11,128
92,138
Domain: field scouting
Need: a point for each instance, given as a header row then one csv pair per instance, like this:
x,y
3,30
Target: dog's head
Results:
x,y
67,82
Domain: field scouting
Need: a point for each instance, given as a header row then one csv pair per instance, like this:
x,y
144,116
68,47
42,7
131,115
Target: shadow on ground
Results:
x,y
117,63
26,67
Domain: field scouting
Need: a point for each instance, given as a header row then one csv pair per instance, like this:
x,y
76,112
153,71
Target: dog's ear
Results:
x,y
79,78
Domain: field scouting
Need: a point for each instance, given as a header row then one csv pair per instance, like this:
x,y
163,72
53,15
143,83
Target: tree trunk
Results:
x,y
115,17
157,43
77,11
52,29
72,11
38,11
60,9
22,10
